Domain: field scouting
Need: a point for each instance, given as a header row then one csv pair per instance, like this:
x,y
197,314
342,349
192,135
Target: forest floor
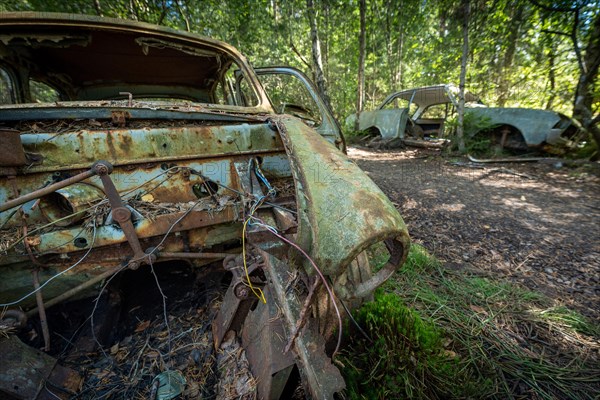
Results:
x,y
505,266
534,224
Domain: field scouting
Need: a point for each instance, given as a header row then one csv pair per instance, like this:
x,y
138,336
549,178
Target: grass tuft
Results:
x,y
447,334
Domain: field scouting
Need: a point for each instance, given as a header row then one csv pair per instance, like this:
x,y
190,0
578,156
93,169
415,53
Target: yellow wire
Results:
x,y
257,292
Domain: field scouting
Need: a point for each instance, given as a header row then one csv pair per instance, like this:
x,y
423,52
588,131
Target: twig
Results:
x,y
303,313
41,309
505,160
164,301
137,360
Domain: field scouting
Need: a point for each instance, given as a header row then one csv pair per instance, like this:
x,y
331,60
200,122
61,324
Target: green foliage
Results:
x,y
476,128
443,334
409,357
586,149
419,260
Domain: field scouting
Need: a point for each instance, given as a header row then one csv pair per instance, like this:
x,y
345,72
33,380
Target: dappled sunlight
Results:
x,y
390,155
521,203
451,207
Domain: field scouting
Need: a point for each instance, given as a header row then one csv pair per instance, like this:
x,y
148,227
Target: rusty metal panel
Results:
x,y
264,340
320,376
80,148
12,154
24,370
390,123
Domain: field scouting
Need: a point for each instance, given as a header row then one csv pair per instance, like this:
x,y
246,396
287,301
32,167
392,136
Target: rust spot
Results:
x,y
373,207
125,142
111,145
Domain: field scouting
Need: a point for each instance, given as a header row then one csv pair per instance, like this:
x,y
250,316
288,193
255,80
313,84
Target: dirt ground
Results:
x,y
535,224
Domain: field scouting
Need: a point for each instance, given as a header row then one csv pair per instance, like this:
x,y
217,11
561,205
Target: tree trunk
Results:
x,y
184,15
466,8
551,75
98,8
360,98
584,94
389,43
316,52
399,79
514,28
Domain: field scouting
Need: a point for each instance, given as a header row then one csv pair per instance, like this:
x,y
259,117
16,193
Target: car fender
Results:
x,y
390,123
536,126
341,211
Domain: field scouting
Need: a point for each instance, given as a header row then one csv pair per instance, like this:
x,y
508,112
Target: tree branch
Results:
x,y
554,9
582,66
556,32
98,8
163,13
295,50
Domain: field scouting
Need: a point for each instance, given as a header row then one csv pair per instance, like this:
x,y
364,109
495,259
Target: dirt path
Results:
x,y
534,224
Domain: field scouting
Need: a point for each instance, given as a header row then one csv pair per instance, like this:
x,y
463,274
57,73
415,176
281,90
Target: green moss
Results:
x,y
406,359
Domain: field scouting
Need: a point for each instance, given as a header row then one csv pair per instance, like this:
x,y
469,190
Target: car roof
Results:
x,y
430,95
89,53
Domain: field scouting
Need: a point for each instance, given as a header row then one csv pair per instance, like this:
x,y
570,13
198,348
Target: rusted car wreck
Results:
x,y
125,146
425,111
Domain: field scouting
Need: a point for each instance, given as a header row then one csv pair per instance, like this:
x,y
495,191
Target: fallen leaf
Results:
x,y
148,198
477,309
142,326
450,354
33,240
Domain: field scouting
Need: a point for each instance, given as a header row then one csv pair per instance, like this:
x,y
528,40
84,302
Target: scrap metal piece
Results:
x,y
320,377
67,206
129,98
41,309
263,338
12,154
24,371
285,219
236,303
50,188
353,213
119,118
122,215
231,315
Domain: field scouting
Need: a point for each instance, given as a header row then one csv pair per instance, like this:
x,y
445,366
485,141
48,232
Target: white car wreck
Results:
x,y
425,111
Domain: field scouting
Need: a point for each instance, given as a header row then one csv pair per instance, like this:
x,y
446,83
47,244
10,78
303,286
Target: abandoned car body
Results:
x,y
425,110
125,145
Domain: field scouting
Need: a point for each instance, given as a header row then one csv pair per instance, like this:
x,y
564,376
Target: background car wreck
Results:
x,y
425,111
126,145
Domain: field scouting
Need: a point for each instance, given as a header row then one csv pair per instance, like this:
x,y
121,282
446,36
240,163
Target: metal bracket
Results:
x,y
122,215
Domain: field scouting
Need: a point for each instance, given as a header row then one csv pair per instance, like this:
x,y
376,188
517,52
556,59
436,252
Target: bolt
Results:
x,y
102,167
121,214
241,292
